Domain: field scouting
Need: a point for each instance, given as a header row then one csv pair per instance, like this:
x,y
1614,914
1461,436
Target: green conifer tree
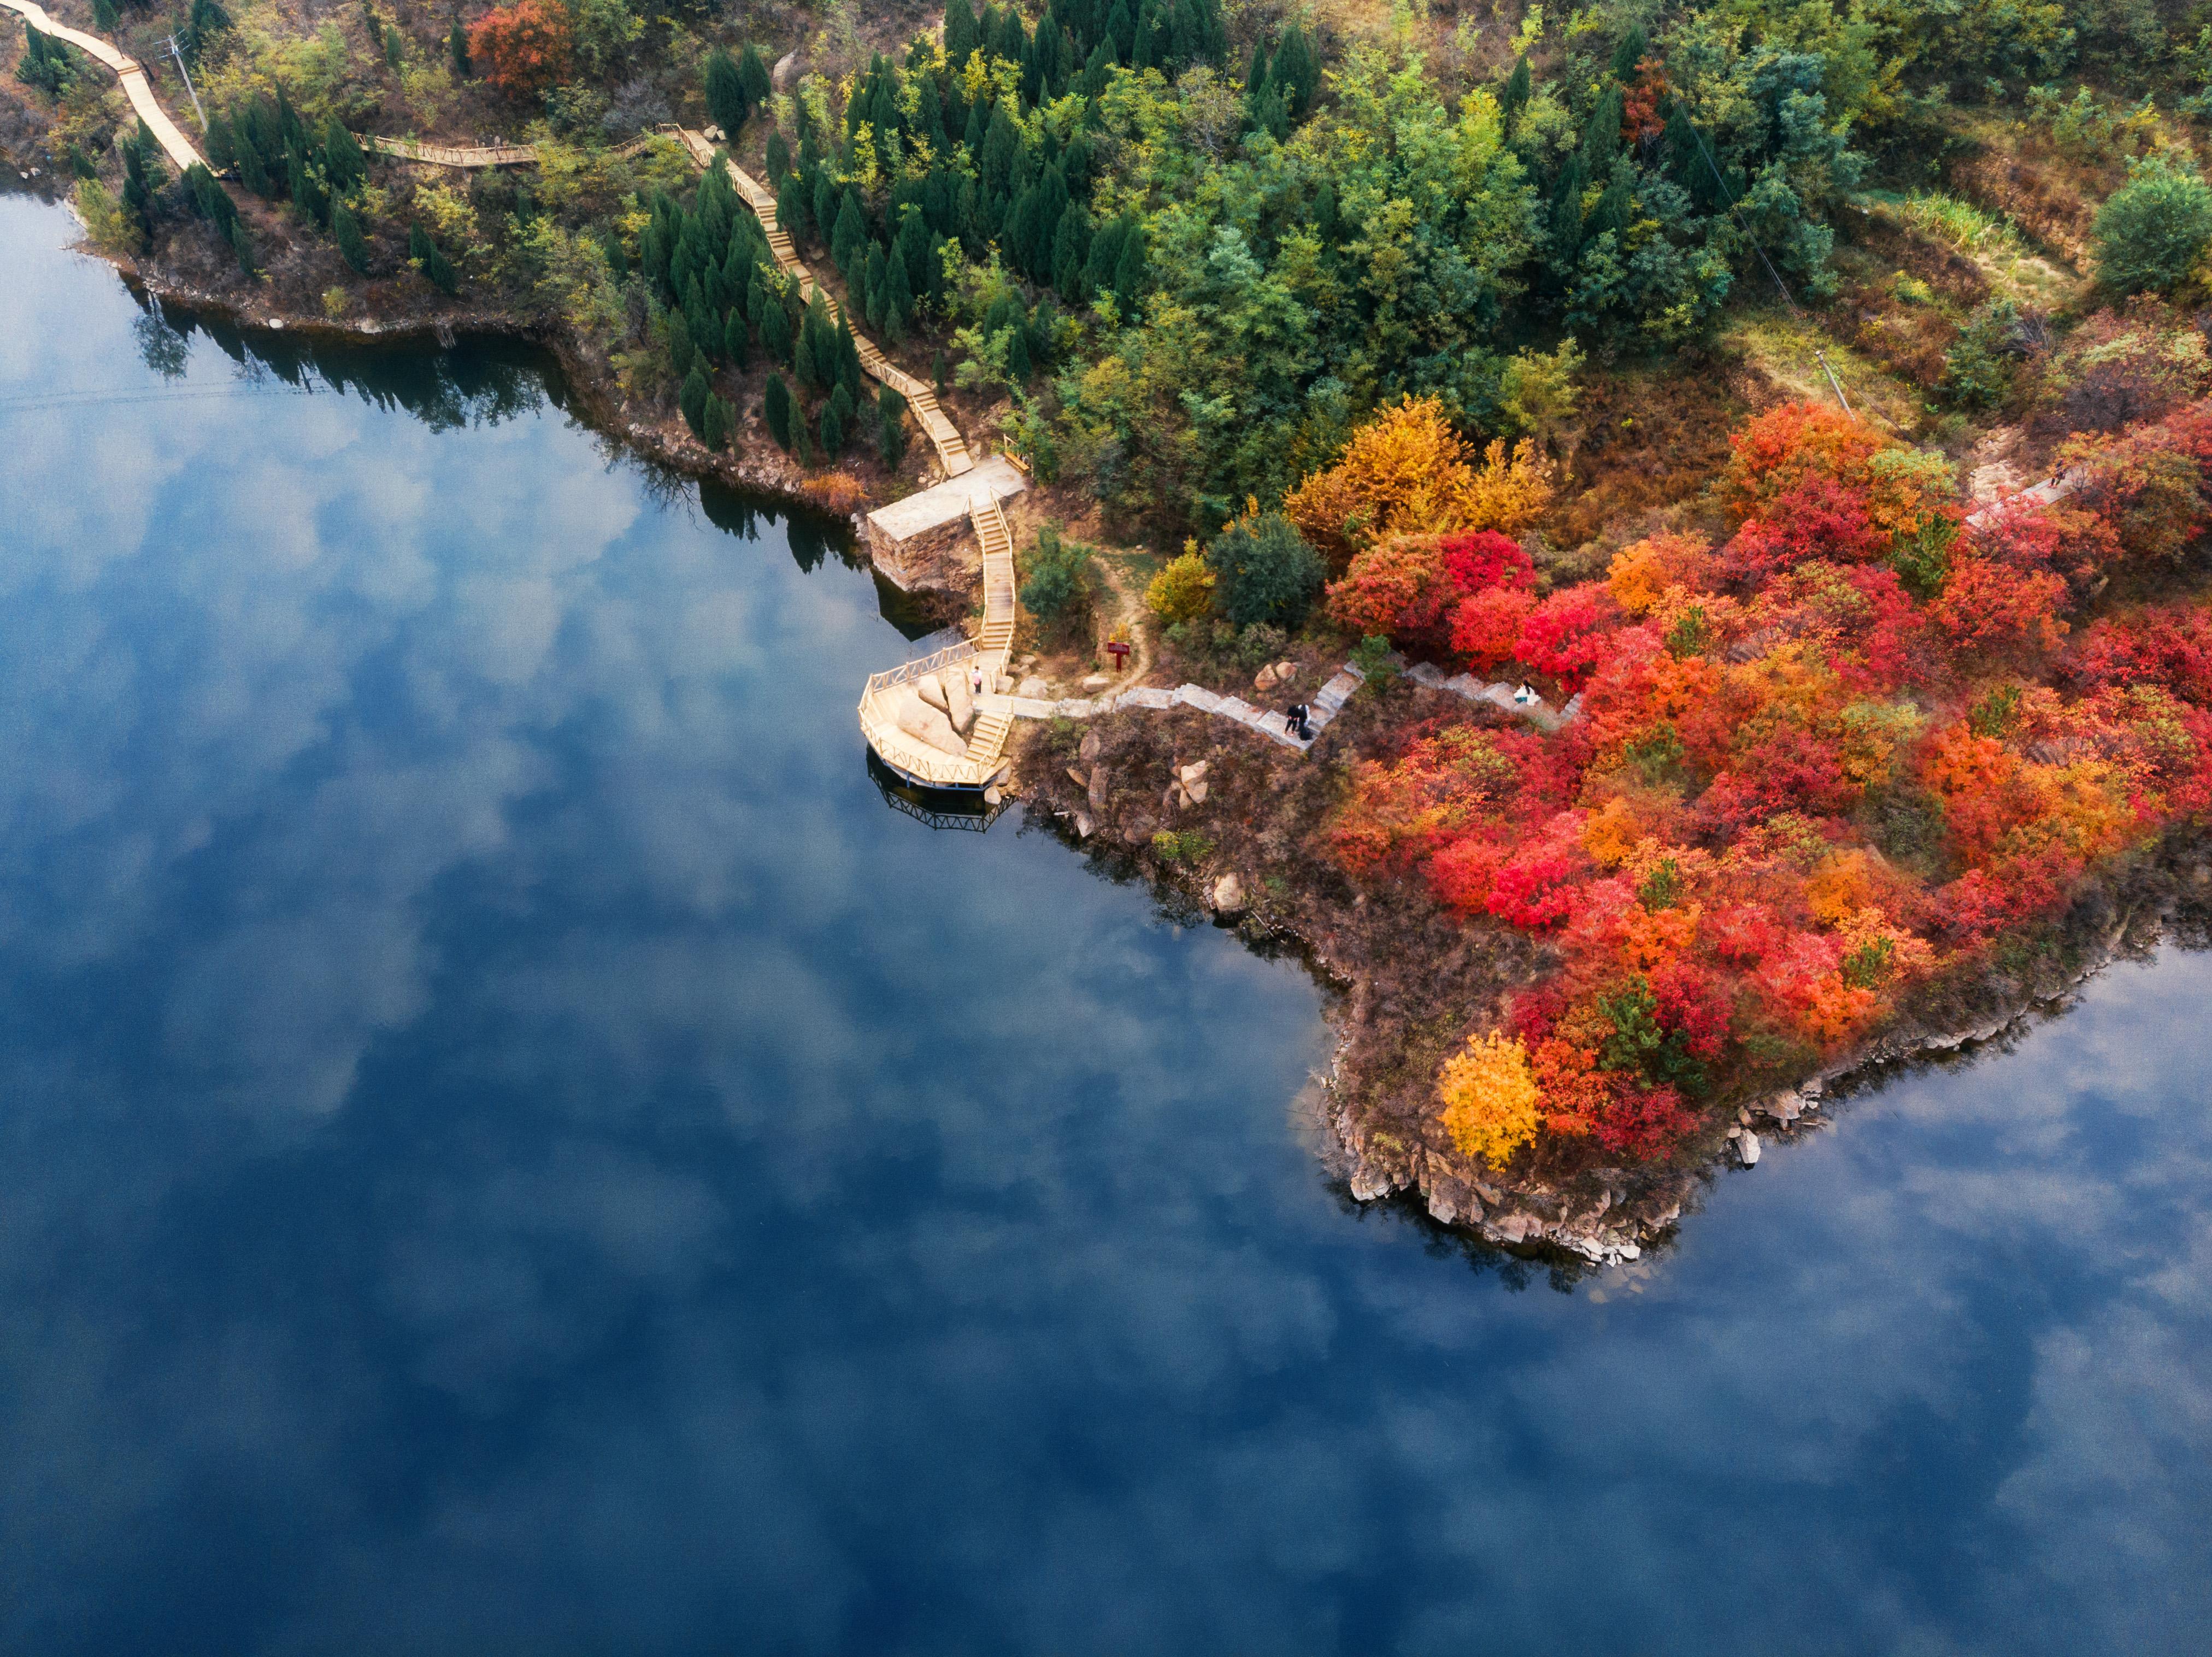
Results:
x,y
753,76
891,427
726,93
714,426
832,431
457,48
353,246
775,408
692,399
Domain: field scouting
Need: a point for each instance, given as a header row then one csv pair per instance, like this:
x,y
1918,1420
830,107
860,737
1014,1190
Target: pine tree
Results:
x,y
714,425
775,408
103,16
457,48
1296,71
352,246
726,93
692,399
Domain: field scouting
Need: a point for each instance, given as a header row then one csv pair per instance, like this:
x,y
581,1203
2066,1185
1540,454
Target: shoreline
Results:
x,y
1593,1222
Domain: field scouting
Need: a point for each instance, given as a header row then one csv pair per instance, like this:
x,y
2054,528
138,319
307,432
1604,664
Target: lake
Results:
x,y
511,1144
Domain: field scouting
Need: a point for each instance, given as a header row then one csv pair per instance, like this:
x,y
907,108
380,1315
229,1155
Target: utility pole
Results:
x,y
189,88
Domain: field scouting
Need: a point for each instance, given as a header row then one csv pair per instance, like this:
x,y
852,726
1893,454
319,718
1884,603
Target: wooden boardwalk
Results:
x,y
442,155
135,86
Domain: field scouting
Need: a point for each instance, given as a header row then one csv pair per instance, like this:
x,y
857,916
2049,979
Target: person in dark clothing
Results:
x,y
1301,723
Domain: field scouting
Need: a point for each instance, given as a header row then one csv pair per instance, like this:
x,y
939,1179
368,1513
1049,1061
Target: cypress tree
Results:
x,y
437,268
776,329
1628,55
1567,214
809,372
791,212
833,431
753,75
242,246
737,344
1129,272
1601,138
343,163
824,202
726,93
1516,91
891,427
1071,246
898,297
692,399
352,246
851,236
848,361
141,176
1018,368
1255,78
715,425
104,16
775,408
457,48
1296,69
779,159
682,351
874,278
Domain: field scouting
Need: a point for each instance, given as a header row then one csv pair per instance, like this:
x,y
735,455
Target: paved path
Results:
x,y
2043,494
136,87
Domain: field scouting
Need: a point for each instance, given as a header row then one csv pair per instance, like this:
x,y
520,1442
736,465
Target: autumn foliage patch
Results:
x,y
1850,746
523,48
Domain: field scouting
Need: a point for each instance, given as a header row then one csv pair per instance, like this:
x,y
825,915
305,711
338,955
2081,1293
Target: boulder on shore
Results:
x,y
927,724
1229,895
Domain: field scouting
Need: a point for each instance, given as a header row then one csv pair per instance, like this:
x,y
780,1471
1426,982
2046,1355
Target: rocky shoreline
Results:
x,y
2124,917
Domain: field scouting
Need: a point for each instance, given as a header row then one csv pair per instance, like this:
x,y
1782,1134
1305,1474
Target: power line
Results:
x,y
1781,287
146,394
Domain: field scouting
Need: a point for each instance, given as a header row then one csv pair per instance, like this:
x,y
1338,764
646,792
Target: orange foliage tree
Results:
x,y
523,48
1855,744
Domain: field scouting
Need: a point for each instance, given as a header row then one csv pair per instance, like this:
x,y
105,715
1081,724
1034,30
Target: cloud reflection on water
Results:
x,y
512,1148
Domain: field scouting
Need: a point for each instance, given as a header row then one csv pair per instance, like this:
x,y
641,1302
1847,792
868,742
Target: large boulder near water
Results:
x,y
926,723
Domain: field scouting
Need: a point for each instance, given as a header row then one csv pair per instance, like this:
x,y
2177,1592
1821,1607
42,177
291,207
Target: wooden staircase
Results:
x,y
943,437
985,756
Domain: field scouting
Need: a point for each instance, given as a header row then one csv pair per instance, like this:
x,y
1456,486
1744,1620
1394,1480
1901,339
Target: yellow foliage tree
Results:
x,y
1407,471
1509,493
1490,1098
1184,591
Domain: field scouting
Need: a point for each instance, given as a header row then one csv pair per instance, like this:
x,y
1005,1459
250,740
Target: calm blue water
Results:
x,y
508,1145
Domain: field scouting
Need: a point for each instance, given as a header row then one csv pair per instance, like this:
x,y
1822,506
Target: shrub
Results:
x,y
1182,591
1264,571
1490,1098
2150,232
1055,583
